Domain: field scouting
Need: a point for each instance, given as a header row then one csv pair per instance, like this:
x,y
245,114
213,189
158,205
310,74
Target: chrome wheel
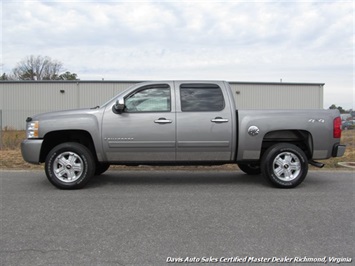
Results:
x,y
68,167
287,166
284,165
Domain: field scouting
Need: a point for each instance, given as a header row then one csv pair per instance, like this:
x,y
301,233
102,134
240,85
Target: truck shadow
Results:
x,y
175,177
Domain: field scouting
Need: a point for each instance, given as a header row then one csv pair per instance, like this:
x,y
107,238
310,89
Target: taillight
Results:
x,y
337,128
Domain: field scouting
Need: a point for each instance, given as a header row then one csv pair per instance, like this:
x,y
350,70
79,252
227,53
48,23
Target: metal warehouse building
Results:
x,y
20,99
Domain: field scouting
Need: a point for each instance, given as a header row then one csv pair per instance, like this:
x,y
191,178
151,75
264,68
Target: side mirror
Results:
x,y
119,106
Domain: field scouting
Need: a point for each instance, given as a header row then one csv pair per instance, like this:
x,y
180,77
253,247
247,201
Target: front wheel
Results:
x,y
284,165
69,165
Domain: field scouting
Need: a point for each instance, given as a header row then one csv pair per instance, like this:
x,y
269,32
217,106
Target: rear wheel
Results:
x,y
250,168
69,165
284,165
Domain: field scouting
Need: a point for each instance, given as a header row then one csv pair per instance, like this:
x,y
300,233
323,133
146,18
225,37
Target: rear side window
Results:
x,y
201,97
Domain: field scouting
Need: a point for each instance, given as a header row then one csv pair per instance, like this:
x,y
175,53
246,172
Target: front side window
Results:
x,y
149,99
201,97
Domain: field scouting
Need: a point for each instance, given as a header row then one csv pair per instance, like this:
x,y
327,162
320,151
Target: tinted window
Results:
x,y
201,97
149,99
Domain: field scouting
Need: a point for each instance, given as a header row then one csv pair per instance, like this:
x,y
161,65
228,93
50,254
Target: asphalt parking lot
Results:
x,y
158,217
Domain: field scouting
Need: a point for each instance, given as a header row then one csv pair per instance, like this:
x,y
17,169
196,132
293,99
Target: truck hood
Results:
x,y
62,114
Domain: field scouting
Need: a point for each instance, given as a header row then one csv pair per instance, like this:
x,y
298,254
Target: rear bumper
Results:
x,y
338,150
31,150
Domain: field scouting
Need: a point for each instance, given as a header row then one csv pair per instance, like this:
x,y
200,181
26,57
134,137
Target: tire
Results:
x,y
69,165
250,168
101,168
284,165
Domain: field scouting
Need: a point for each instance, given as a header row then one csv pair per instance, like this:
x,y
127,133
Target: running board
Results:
x,y
316,164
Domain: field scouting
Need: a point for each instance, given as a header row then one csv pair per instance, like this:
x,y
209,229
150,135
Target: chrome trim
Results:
x,y
287,166
253,131
68,167
219,120
163,121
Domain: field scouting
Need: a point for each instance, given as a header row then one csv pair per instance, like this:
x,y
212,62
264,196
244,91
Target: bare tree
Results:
x,y
37,68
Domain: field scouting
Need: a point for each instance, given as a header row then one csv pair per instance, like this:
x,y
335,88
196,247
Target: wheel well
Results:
x,y
55,138
300,138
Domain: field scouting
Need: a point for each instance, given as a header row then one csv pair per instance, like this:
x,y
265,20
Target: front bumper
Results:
x,y
338,150
31,150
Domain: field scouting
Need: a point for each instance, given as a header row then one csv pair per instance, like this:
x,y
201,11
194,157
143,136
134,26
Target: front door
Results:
x,y
145,131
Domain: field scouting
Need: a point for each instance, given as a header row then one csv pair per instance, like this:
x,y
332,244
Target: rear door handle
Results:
x,y
219,120
163,120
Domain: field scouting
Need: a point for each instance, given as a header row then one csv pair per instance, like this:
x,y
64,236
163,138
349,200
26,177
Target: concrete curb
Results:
x,y
347,164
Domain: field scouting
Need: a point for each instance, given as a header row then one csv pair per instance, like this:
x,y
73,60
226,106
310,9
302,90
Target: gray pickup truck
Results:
x,y
180,123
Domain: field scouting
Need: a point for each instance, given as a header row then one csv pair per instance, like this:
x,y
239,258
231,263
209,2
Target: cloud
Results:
x,y
304,41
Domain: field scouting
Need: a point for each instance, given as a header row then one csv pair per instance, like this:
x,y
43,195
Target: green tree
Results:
x,y
341,110
4,77
68,76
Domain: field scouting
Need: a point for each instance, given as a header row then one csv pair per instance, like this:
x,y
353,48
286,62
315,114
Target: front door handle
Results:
x,y
219,120
163,120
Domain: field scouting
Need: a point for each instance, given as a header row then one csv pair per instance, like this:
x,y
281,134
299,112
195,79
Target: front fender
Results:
x,y
31,150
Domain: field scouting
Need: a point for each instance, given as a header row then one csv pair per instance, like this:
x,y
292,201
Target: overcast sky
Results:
x,y
296,41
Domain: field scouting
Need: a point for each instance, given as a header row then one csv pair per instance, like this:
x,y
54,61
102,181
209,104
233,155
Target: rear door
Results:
x,y
204,122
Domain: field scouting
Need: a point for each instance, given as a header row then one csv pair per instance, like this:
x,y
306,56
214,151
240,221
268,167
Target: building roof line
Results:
x,y
139,81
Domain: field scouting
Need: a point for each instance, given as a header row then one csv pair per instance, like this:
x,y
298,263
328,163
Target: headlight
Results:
x,y
32,130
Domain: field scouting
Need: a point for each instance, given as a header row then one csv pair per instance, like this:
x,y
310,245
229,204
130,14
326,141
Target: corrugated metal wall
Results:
x,y
22,99
93,94
277,95
19,100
